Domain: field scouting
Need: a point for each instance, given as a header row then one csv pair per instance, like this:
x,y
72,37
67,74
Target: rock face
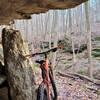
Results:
x,y
21,9
19,71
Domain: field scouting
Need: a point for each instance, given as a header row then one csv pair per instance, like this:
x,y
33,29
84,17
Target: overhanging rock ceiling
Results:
x,y
22,9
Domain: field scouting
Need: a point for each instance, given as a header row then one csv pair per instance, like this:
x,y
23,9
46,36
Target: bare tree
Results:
x,y
72,39
89,47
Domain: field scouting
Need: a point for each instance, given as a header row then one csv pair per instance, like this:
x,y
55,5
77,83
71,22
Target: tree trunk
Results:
x,y
89,46
72,40
54,54
74,56
18,69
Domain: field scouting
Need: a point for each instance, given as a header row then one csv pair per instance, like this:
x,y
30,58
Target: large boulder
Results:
x,y
18,69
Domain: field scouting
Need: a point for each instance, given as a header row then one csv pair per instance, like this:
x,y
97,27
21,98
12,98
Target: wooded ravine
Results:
x,y
53,54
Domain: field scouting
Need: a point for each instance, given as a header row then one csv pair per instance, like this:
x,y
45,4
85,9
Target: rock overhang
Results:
x,y
22,9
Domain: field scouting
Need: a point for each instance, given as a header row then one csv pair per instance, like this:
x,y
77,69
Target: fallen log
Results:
x,y
66,75
83,77
75,76
68,67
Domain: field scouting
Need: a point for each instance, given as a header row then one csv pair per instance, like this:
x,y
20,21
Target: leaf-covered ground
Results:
x,y
69,89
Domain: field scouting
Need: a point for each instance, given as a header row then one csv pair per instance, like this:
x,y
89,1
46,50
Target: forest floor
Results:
x,y
69,89
74,89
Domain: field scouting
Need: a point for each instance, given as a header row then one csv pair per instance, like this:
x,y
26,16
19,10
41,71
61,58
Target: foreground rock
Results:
x,y
18,69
